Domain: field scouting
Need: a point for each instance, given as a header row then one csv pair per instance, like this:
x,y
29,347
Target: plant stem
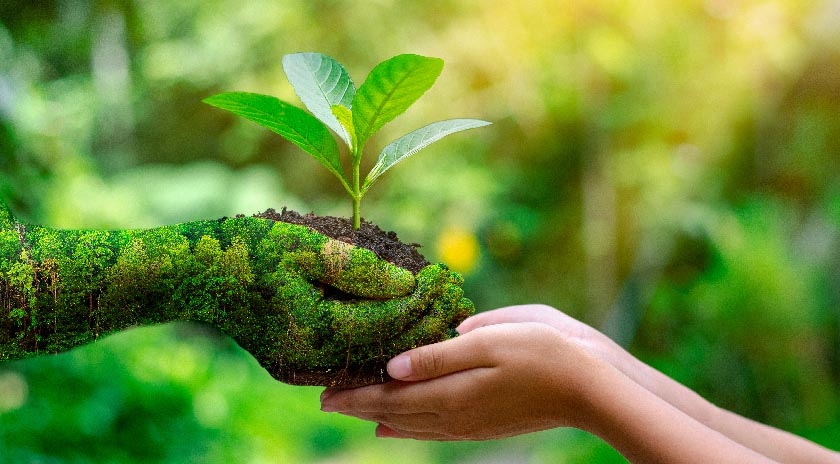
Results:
x,y
357,191
357,219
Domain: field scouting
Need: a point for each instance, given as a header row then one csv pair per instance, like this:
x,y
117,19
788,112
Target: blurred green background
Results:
x,y
665,171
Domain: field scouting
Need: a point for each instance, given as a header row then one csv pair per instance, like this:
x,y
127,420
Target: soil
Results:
x,y
384,244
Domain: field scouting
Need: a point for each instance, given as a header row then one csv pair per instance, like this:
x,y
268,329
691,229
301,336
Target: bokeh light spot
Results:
x,y
13,391
458,248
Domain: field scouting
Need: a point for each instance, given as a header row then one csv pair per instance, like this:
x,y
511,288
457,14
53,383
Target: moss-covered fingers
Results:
x,y
351,269
361,336
312,310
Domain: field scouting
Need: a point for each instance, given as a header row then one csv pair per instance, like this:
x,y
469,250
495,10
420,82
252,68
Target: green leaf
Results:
x,y
415,141
345,118
321,83
390,88
294,124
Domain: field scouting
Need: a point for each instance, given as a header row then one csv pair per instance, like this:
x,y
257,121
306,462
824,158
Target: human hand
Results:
x,y
346,342
582,334
493,381
311,309
335,312
520,369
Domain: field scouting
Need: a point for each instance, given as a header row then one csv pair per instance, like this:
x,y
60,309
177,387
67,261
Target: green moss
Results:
x,y
6,218
269,285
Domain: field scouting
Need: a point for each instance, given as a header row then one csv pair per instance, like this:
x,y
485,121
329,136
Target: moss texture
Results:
x,y
312,310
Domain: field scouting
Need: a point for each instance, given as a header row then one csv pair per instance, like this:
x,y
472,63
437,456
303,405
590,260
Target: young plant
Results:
x,y
328,92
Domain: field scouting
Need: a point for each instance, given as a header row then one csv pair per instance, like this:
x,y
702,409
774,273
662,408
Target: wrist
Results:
x,y
586,385
604,393
645,427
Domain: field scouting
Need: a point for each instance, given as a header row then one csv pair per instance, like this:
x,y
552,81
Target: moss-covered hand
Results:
x,y
312,310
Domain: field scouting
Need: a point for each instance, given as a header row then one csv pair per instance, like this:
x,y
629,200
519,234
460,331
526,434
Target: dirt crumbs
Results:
x,y
386,245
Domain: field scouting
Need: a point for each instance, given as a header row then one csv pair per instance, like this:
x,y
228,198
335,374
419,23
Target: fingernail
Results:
x,y
400,367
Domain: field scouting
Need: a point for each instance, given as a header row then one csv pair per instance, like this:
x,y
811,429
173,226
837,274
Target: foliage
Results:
x,y
328,92
660,170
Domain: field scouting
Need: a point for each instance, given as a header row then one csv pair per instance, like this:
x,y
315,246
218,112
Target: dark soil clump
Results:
x,y
386,245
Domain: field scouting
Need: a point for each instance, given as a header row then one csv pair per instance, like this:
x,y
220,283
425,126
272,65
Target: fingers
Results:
x,y
360,272
405,321
404,395
354,338
414,406
489,383
351,269
385,431
521,313
439,359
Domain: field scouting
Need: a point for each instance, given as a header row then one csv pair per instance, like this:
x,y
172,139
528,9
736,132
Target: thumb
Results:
x,y
355,270
437,359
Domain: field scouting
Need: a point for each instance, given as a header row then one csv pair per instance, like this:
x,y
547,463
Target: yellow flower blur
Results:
x,y
457,247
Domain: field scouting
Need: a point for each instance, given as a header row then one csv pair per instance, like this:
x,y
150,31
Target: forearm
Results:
x,y
64,288
647,429
777,444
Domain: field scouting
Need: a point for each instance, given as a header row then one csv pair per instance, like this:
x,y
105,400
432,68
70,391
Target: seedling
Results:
x,y
328,92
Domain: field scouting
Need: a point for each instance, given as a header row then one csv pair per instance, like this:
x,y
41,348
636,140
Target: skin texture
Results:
x,y
526,368
311,310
